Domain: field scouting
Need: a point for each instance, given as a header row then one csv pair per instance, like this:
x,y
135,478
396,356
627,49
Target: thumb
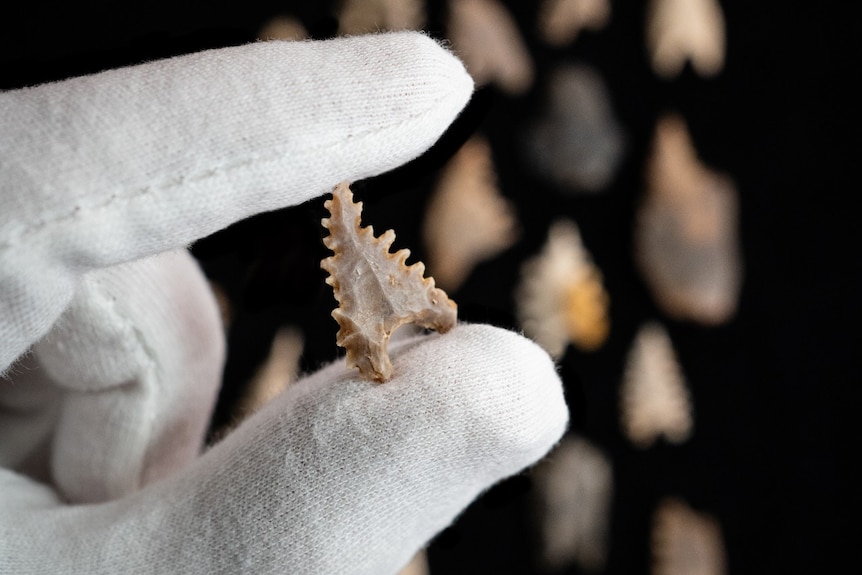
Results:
x,y
337,475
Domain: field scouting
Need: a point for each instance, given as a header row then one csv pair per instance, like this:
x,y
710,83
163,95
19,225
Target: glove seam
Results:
x,y
145,377
201,176
137,338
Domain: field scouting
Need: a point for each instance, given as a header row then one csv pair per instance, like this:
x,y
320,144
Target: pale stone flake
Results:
x,y
487,39
686,542
418,565
686,231
370,16
375,289
561,298
467,220
685,30
283,27
560,21
654,397
576,142
574,485
277,372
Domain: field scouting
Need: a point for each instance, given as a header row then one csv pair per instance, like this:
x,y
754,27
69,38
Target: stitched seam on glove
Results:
x,y
146,376
148,369
15,238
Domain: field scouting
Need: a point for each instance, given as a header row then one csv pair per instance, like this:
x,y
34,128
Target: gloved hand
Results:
x,y
112,348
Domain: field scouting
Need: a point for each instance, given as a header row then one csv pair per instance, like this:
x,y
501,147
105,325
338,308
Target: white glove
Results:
x,y
103,180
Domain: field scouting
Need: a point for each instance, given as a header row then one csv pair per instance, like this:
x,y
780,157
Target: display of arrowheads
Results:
x,y
621,191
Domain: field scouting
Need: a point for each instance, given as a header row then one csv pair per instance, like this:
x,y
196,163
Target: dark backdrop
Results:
x,y
771,449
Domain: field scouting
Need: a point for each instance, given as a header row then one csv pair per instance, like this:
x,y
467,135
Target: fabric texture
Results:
x,y
337,475
112,348
108,168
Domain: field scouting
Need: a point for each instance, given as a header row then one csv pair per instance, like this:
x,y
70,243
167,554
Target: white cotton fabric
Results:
x,y
138,355
337,475
108,168
112,348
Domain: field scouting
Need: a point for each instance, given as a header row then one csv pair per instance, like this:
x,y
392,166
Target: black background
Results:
x,y
772,445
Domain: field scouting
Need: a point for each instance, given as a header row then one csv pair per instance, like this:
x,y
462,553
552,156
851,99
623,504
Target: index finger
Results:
x,y
113,167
